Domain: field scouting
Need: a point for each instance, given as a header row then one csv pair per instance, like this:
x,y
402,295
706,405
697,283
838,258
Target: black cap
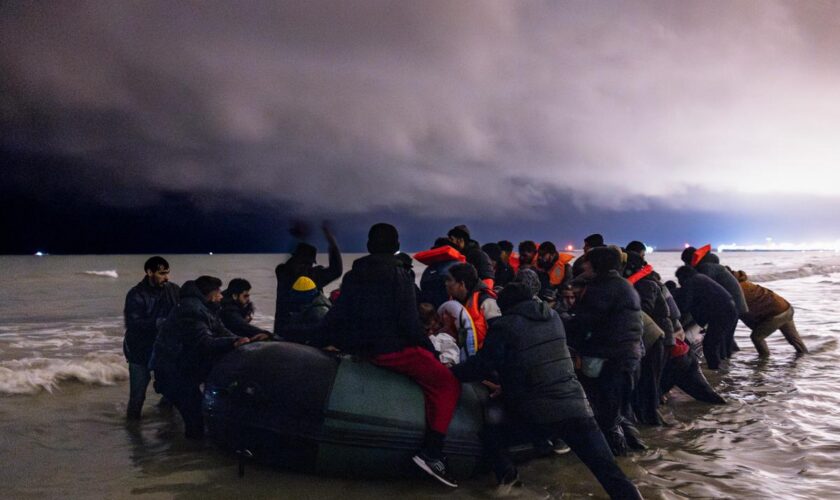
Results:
x,y
460,231
636,246
688,255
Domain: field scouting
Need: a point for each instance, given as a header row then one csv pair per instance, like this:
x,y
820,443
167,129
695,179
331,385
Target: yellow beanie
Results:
x,y
303,284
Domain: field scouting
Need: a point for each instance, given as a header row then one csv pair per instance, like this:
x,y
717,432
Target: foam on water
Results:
x,y
33,375
111,273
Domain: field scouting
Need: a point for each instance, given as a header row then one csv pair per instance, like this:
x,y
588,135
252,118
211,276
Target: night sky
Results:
x,y
155,127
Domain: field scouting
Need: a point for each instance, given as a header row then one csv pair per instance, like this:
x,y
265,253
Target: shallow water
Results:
x,y
61,331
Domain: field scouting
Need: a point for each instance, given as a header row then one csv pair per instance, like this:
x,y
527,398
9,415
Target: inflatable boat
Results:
x,y
301,408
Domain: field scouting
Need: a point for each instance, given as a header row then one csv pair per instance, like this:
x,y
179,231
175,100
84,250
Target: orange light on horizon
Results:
x,y
570,248
687,245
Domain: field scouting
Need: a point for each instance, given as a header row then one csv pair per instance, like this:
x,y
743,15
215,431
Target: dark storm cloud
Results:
x,y
426,107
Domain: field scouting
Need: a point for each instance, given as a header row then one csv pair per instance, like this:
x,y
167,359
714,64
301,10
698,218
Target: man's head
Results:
x,y
461,280
459,236
239,290
157,270
592,241
567,295
210,287
636,247
688,255
507,249
305,252
383,238
493,251
685,273
513,294
527,251
530,279
604,260
547,254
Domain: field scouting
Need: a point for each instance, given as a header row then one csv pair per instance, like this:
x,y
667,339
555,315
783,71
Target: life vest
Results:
x,y
699,254
558,271
445,253
641,273
479,321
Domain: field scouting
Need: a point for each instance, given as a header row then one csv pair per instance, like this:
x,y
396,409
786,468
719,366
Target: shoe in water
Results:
x,y
434,467
560,447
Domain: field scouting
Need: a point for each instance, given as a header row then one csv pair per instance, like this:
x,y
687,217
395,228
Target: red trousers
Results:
x,y
441,389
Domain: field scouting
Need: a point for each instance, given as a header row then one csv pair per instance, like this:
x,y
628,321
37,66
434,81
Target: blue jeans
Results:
x,y
139,377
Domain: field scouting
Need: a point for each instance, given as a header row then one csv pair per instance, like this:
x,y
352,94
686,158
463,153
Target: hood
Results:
x,y
531,309
190,290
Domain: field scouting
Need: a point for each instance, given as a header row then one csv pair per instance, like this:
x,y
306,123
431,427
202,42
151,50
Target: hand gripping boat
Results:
x,y
300,408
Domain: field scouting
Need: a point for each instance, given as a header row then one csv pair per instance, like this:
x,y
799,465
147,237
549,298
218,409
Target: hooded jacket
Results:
x,y
652,298
527,347
608,319
706,300
146,307
191,338
710,267
476,256
377,311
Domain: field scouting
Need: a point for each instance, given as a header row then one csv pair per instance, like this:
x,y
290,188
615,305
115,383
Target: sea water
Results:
x,y
63,391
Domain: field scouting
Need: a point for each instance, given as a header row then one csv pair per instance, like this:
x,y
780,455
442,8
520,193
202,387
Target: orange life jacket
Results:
x,y
558,271
641,273
479,321
445,253
699,254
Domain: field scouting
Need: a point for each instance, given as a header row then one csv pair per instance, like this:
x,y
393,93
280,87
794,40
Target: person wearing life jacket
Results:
x,y
501,270
438,260
463,285
592,241
527,257
459,237
647,394
708,263
507,252
768,312
637,247
555,265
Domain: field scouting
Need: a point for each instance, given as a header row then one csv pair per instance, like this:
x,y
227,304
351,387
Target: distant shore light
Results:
x,y
39,254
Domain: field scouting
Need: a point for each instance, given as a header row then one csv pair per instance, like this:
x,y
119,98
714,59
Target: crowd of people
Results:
x,y
576,350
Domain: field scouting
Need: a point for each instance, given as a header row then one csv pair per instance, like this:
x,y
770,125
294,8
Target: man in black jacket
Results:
x,y
190,340
459,236
237,311
606,330
712,306
146,306
302,263
376,316
527,348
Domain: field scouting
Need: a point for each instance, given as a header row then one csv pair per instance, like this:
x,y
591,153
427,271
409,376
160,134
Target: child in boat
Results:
x,y
440,332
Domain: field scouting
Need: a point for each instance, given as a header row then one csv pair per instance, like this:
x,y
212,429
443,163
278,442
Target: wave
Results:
x,y
110,273
800,272
34,375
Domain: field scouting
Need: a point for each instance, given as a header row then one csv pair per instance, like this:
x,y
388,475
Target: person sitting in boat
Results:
x,y
527,256
302,263
190,340
459,237
308,305
767,313
592,241
711,306
463,285
527,348
376,317
442,332
237,311
438,260
501,270
555,265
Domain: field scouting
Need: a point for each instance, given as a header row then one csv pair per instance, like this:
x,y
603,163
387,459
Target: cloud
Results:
x,y
425,107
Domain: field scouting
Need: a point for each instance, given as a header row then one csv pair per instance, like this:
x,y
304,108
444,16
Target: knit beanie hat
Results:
x,y
530,279
383,238
460,231
303,292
